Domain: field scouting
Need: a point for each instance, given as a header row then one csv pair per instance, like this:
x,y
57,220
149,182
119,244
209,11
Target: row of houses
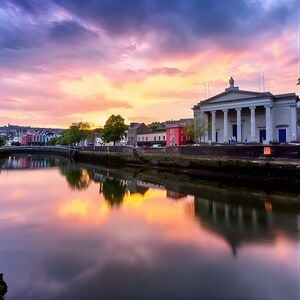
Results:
x,y
141,135
32,138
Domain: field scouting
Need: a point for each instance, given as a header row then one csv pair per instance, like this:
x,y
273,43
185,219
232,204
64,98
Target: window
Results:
x,y
146,138
159,138
142,138
182,138
164,137
155,138
172,131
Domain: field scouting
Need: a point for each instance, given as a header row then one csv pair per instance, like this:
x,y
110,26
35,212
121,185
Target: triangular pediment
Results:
x,y
232,96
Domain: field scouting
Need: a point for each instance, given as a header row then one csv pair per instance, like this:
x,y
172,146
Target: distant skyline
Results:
x,y
65,61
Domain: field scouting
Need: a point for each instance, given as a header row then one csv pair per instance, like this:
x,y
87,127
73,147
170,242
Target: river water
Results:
x,y
76,232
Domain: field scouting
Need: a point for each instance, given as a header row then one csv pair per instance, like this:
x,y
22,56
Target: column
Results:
x,y
239,124
225,111
213,126
271,127
205,116
253,125
268,123
293,123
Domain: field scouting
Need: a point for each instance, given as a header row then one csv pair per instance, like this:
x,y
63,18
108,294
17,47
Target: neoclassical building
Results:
x,y
249,116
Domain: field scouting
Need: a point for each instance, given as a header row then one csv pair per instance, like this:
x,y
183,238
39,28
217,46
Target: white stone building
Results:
x,y
246,116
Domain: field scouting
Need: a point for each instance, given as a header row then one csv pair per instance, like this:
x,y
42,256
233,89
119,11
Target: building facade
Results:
x,y
133,130
175,132
175,135
150,139
246,116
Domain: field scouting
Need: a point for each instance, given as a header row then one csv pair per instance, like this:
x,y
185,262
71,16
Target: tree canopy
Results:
x,y
75,133
157,126
198,130
114,129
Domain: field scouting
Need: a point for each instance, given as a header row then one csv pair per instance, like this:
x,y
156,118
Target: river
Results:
x,y
79,232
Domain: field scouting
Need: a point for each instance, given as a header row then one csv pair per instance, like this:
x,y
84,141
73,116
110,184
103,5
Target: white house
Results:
x,y
249,116
152,138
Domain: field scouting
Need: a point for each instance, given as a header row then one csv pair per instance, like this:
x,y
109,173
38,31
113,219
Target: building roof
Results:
x,y
245,95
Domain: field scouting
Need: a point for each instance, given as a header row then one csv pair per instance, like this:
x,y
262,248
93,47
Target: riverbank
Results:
x,y
255,167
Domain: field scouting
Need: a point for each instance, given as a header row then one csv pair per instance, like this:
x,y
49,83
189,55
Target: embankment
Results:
x,y
227,162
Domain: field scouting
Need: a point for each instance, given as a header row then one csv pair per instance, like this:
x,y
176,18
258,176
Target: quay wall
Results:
x,y
230,162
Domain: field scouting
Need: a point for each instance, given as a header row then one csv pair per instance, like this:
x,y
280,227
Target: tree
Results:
x,y
157,126
201,128
189,131
75,133
198,130
2,142
114,129
53,141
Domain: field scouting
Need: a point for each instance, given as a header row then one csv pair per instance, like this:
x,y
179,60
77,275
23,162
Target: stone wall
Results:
x,y
287,152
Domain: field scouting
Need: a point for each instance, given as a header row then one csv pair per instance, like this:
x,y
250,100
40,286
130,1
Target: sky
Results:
x,y
65,61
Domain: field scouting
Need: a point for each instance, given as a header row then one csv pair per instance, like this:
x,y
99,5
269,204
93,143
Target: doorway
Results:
x,y
262,135
282,135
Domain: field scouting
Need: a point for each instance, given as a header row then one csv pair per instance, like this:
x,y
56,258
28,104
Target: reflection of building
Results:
x,y
175,195
26,162
239,225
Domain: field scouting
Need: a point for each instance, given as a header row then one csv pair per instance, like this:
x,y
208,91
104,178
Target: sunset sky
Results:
x,y
82,60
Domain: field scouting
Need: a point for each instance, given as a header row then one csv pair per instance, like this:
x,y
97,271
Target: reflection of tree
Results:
x,y
77,178
2,161
113,191
3,287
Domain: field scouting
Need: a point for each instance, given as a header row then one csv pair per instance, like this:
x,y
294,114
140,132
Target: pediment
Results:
x,y
232,96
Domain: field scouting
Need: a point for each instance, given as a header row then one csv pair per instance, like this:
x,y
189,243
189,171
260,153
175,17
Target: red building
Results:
x,y
175,135
26,139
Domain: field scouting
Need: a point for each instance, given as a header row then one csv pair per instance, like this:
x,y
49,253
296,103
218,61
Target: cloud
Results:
x,y
186,24
15,31
69,31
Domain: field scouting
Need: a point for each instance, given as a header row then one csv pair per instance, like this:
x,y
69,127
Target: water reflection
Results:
x,y
243,225
3,287
28,162
77,178
126,235
113,191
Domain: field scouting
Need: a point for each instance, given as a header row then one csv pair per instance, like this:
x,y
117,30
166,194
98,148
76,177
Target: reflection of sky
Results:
x,y
58,243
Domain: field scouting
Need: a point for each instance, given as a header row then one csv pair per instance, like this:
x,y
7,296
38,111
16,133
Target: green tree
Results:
x,y
201,128
189,131
53,141
114,129
75,133
197,130
2,141
156,126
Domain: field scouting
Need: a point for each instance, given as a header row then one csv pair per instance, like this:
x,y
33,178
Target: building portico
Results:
x,y
249,116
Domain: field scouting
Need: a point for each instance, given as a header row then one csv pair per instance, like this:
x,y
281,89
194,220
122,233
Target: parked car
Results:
x,y
156,146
